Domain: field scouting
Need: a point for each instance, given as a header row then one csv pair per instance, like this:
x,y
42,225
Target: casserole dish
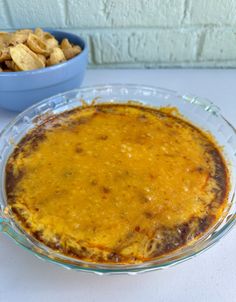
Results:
x,y
199,112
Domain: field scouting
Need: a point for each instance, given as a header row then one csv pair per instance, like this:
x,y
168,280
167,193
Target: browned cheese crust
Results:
x,y
117,183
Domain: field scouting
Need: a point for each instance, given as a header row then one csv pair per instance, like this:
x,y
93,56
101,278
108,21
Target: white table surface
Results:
x,y
210,276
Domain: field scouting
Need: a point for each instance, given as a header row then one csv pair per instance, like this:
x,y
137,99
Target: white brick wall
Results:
x,y
30,13
124,13
211,12
4,15
163,45
219,44
137,32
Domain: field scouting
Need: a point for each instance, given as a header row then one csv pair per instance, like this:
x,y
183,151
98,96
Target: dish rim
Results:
x,y
13,230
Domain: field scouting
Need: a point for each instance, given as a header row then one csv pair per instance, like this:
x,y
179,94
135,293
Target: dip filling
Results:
x,y
116,183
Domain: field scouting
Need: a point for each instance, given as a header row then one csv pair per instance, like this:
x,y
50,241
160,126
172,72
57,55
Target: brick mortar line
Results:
x,y
170,63
227,64
200,45
91,50
65,13
147,28
185,12
7,11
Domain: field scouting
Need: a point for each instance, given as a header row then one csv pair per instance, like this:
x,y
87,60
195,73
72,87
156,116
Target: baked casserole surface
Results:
x,y
117,183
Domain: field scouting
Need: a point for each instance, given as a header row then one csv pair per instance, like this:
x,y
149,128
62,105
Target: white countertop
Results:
x,y
210,276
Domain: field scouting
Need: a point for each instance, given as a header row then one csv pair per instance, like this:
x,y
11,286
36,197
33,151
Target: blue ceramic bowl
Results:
x,y
19,90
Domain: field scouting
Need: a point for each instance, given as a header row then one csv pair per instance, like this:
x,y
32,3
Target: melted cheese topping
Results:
x,y
116,183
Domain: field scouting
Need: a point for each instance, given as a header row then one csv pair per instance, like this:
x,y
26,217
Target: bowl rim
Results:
x,y
48,68
70,262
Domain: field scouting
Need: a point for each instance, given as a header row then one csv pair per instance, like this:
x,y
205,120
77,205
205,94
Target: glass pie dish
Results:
x,y
199,112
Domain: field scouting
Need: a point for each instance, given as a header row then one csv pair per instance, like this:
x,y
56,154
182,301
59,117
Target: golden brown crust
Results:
x,y
158,239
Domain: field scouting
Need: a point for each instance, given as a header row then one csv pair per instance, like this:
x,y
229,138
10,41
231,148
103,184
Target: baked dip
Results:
x,y
116,183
